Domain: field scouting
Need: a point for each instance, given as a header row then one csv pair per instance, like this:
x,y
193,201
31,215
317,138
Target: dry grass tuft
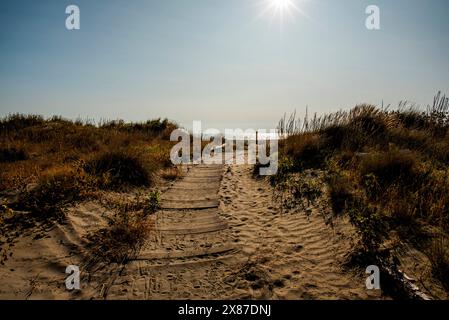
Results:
x,y
115,244
171,174
438,254
115,169
127,230
55,188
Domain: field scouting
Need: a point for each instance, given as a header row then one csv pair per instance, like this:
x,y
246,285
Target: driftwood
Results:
x,y
397,284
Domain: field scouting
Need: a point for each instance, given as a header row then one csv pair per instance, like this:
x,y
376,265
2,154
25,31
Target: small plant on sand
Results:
x,y
153,202
127,230
298,191
120,240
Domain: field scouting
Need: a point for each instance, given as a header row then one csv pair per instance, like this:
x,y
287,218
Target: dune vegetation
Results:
x,y
387,170
50,164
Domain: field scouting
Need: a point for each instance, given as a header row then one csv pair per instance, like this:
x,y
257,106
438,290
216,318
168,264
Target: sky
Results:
x,y
221,62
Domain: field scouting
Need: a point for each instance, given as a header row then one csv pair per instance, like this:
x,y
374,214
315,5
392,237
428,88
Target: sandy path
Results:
x,y
191,249
228,241
218,236
302,255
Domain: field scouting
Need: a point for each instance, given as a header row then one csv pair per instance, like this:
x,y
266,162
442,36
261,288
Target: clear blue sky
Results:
x,y
217,60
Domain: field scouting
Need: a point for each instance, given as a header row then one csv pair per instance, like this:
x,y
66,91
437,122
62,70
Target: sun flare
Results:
x,y
281,10
282,5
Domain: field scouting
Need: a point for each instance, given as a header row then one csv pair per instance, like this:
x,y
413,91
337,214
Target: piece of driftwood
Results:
x,y
397,284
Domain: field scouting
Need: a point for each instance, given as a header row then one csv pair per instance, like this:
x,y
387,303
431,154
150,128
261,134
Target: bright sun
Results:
x,y
282,5
281,9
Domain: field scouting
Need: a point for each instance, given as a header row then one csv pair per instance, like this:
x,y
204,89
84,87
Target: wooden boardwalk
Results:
x,y
187,254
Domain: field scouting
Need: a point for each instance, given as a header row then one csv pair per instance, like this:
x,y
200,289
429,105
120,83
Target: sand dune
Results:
x,y
218,236
242,248
299,255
